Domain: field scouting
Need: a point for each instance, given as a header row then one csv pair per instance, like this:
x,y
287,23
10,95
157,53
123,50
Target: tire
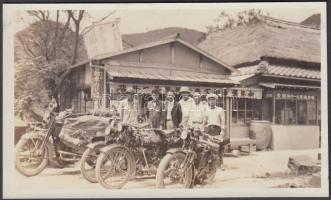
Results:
x,y
89,174
160,174
42,161
106,179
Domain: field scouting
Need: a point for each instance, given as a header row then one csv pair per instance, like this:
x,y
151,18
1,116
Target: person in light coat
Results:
x,y
187,105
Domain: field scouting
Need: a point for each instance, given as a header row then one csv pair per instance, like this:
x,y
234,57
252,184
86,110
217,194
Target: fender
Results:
x,y
34,134
41,135
175,150
96,145
107,148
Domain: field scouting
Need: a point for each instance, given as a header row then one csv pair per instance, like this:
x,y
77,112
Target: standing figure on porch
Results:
x,y
203,102
154,109
172,115
198,112
215,123
186,103
128,108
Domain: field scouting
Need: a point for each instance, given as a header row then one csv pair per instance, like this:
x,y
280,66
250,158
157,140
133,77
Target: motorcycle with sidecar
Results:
x,y
44,145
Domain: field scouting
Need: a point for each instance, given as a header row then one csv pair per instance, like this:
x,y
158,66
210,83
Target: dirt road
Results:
x,y
257,170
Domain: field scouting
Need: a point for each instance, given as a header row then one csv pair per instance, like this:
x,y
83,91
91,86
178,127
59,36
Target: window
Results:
x,y
245,110
298,109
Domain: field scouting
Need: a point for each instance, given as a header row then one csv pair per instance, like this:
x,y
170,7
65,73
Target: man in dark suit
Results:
x,y
154,110
172,113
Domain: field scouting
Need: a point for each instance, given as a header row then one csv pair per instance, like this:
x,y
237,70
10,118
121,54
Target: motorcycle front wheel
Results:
x,y
30,159
88,164
115,167
171,172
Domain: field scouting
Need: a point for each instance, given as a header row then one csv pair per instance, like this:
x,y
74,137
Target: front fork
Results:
x,y
188,162
49,133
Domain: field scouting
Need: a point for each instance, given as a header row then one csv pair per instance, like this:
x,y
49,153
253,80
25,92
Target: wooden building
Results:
x,y
169,63
283,59
166,64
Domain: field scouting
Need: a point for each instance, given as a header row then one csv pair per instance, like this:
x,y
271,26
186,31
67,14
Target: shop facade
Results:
x,y
285,64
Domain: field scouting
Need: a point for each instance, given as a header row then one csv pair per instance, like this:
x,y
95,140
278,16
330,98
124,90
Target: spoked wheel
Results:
x,y
114,168
208,173
88,164
30,159
171,172
213,169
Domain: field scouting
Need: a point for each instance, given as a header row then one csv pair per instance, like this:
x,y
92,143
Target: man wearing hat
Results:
x,y
197,113
172,115
215,122
187,104
154,109
128,108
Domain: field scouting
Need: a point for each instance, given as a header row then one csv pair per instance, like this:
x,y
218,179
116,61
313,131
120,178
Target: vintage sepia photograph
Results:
x,y
165,100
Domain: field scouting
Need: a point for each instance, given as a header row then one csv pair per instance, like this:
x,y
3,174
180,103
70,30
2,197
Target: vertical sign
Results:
x,y
103,38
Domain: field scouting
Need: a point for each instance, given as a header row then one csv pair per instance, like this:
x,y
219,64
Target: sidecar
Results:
x,y
78,132
61,142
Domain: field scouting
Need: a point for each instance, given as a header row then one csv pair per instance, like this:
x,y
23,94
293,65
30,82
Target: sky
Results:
x,y
144,17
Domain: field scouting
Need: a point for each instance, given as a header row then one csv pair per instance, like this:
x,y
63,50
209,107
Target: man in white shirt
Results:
x,y
215,123
187,104
197,114
215,117
128,109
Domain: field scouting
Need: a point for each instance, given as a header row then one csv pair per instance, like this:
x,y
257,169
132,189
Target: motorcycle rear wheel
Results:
x,y
26,149
169,169
87,165
115,162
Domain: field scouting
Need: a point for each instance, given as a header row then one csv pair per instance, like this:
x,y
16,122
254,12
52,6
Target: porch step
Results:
x,y
243,144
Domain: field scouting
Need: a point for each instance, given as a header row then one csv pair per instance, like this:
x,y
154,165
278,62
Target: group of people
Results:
x,y
198,111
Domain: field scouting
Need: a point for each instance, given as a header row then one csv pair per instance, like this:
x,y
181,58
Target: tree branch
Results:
x,y
26,49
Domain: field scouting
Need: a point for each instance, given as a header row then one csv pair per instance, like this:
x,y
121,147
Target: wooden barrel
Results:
x,y
260,130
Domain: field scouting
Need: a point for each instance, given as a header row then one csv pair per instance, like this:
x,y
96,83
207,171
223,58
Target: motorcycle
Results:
x,y
137,152
89,157
43,146
195,163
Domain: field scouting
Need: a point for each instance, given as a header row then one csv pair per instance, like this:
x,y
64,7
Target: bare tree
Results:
x,y
44,50
77,19
39,14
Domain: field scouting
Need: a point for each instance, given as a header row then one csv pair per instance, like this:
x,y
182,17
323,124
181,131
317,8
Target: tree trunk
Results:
x,y
74,57
77,26
56,33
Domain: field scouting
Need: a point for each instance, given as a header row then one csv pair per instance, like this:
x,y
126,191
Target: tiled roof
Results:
x,y
283,71
170,75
